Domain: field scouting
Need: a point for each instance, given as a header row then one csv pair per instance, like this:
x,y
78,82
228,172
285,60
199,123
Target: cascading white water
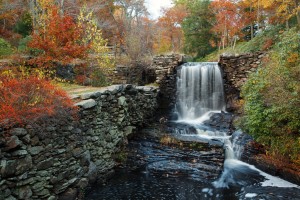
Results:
x,y
200,90
239,173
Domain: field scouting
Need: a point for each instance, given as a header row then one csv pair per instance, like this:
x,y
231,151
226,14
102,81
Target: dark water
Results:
x,y
156,171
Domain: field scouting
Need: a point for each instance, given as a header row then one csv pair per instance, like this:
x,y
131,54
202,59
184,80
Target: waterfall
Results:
x,y
200,90
199,93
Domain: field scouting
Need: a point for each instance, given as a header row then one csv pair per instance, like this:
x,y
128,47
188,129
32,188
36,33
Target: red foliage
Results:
x,y
59,41
26,100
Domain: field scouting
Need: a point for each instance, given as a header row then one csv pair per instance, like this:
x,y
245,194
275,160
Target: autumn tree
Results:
x,y
58,40
284,9
131,16
171,37
228,22
92,38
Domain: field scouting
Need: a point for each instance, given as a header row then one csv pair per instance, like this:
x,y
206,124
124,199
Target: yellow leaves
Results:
x,y
93,38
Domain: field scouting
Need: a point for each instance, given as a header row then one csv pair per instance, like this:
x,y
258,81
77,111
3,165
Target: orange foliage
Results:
x,y
172,38
228,22
25,100
59,41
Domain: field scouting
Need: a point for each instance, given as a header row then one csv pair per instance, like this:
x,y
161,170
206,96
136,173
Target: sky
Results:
x,y
154,6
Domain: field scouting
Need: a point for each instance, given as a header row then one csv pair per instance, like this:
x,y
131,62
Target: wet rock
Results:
x,y
128,130
220,121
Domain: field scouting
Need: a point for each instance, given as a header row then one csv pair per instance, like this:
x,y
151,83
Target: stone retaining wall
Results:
x,y
166,76
236,70
58,160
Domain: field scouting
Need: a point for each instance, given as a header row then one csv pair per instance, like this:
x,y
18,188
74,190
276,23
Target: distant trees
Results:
x,y
135,32
196,26
199,40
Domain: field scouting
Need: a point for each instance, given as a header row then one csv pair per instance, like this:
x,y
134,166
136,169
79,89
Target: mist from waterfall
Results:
x,y
200,90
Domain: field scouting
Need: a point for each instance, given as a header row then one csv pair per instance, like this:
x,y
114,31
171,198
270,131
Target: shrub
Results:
x,y
272,99
27,99
98,78
5,48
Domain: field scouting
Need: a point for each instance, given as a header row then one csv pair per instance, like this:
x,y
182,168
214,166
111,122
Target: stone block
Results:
x,y
24,165
24,192
8,168
87,104
18,131
35,150
19,153
12,143
122,101
45,164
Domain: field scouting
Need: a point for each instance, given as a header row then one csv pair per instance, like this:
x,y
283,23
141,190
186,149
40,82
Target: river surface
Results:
x,y
188,171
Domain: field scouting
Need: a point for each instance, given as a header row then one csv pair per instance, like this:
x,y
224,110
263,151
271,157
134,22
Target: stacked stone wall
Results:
x,y
58,159
166,76
236,70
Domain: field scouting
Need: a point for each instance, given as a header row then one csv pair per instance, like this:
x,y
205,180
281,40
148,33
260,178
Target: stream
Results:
x,y
195,156
189,171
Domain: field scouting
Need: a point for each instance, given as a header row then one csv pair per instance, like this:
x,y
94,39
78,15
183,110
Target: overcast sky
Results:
x,y
154,6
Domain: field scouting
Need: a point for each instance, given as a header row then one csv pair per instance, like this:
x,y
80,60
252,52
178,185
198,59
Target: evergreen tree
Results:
x,y
199,39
